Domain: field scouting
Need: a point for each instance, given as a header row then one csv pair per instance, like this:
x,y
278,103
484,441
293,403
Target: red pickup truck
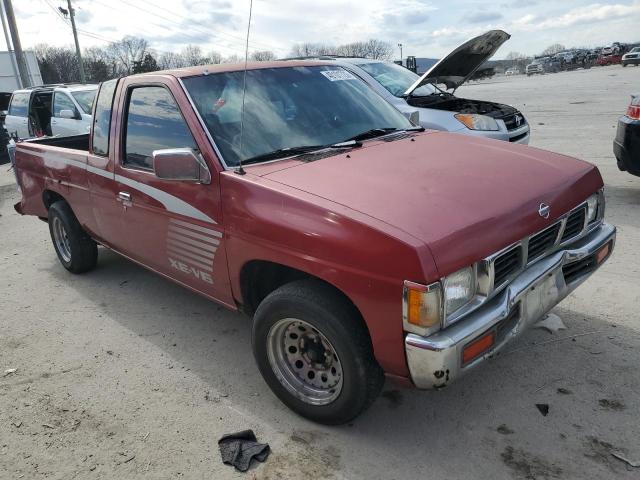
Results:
x,y
361,245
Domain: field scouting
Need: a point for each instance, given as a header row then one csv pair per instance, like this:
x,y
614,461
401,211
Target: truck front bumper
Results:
x,y
436,360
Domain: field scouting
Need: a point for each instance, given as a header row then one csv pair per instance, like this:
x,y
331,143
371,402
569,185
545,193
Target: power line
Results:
x,y
238,40
218,30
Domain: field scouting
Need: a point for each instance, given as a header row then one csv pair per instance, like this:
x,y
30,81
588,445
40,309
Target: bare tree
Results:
x,y
214,57
192,55
168,60
263,56
232,59
128,51
309,49
553,49
378,49
57,64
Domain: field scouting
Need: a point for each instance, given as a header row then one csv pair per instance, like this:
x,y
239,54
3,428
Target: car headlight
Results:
x,y
473,121
459,289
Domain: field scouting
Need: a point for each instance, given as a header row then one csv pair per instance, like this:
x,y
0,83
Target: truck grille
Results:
x,y
575,224
543,241
506,264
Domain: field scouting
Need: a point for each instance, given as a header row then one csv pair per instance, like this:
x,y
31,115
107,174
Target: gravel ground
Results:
x,y
121,373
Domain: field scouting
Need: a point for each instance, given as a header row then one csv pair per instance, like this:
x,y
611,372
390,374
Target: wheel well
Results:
x,y
49,197
258,278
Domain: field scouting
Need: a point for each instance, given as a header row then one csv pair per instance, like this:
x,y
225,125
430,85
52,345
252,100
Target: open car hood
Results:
x,y
456,68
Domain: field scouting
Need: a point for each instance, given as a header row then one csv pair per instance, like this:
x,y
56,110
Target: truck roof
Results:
x,y
236,67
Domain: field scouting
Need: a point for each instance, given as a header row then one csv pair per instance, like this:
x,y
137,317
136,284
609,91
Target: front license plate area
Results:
x,y
541,297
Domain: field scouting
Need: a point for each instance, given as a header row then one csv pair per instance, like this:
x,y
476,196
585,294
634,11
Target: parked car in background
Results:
x,y
535,68
626,145
422,100
631,58
612,59
58,110
4,135
360,244
512,71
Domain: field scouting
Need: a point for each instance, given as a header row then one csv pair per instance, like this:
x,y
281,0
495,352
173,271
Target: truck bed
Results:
x,y
74,142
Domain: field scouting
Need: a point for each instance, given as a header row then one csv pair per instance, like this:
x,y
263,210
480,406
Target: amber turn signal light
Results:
x,y
422,309
479,346
603,253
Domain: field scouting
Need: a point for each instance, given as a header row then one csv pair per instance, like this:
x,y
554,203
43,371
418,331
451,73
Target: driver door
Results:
x,y
172,226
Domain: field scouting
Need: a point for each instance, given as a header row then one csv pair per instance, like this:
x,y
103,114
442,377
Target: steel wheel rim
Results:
x,y
304,361
61,240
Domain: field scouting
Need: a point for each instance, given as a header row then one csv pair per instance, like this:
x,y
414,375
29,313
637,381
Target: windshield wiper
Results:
x,y
293,151
282,153
379,132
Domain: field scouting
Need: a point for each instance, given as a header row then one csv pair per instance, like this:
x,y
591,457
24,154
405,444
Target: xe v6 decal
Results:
x,y
184,268
171,203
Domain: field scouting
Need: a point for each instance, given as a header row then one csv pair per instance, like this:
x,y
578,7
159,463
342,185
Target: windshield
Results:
x,y
85,99
635,50
396,79
287,108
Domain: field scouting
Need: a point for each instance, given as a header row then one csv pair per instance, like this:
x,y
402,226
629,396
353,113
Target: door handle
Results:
x,y
124,196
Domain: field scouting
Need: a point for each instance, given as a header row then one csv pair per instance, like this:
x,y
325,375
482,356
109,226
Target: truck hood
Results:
x,y
457,67
464,197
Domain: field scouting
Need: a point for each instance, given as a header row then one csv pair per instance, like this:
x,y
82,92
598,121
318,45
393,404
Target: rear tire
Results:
x,y
76,250
314,352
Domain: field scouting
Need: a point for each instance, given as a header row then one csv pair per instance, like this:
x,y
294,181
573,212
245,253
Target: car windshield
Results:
x,y
287,108
396,79
635,50
85,99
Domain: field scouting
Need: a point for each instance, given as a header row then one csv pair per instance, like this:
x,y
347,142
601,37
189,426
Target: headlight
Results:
x,y
459,289
421,307
473,121
593,206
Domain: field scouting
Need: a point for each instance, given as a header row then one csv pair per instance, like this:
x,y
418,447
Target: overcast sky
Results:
x,y
425,28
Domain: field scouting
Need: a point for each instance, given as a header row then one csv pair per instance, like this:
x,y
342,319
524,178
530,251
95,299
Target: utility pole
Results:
x,y
7,40
17,47
72,14
400,45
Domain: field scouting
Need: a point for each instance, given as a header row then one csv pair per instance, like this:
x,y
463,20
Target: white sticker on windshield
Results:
x,y
335,75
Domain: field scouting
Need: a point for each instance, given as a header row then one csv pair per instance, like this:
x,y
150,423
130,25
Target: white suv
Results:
x,y
59,110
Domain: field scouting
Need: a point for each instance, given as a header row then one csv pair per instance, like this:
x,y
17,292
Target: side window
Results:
x,y
102,119
61,101
19,105
154,122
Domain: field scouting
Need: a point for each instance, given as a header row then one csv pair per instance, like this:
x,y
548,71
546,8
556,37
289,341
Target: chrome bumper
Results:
x,y
436,360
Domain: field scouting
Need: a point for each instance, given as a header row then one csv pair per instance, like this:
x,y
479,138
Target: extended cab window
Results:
x,y
19,105
61,102
153,122
102,120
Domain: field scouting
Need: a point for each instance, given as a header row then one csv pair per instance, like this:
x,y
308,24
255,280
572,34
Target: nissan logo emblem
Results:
x,y
544,210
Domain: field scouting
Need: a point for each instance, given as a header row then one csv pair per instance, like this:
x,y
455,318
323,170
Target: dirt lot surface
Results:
x,y
122,374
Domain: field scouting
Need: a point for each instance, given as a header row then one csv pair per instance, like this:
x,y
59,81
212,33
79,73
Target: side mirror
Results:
x,y
68,114
180,164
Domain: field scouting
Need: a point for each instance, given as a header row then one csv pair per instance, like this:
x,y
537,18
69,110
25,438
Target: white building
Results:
x,y
9,76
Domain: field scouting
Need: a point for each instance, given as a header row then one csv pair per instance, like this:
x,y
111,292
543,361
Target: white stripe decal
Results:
x,y
191,249
196,227
197,258
195,243
202,266
197,236
171,203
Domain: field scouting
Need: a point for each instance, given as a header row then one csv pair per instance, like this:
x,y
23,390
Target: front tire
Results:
x,y
76,250
314,352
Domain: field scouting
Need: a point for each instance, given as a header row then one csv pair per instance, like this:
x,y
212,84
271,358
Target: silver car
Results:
x,y
423,102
